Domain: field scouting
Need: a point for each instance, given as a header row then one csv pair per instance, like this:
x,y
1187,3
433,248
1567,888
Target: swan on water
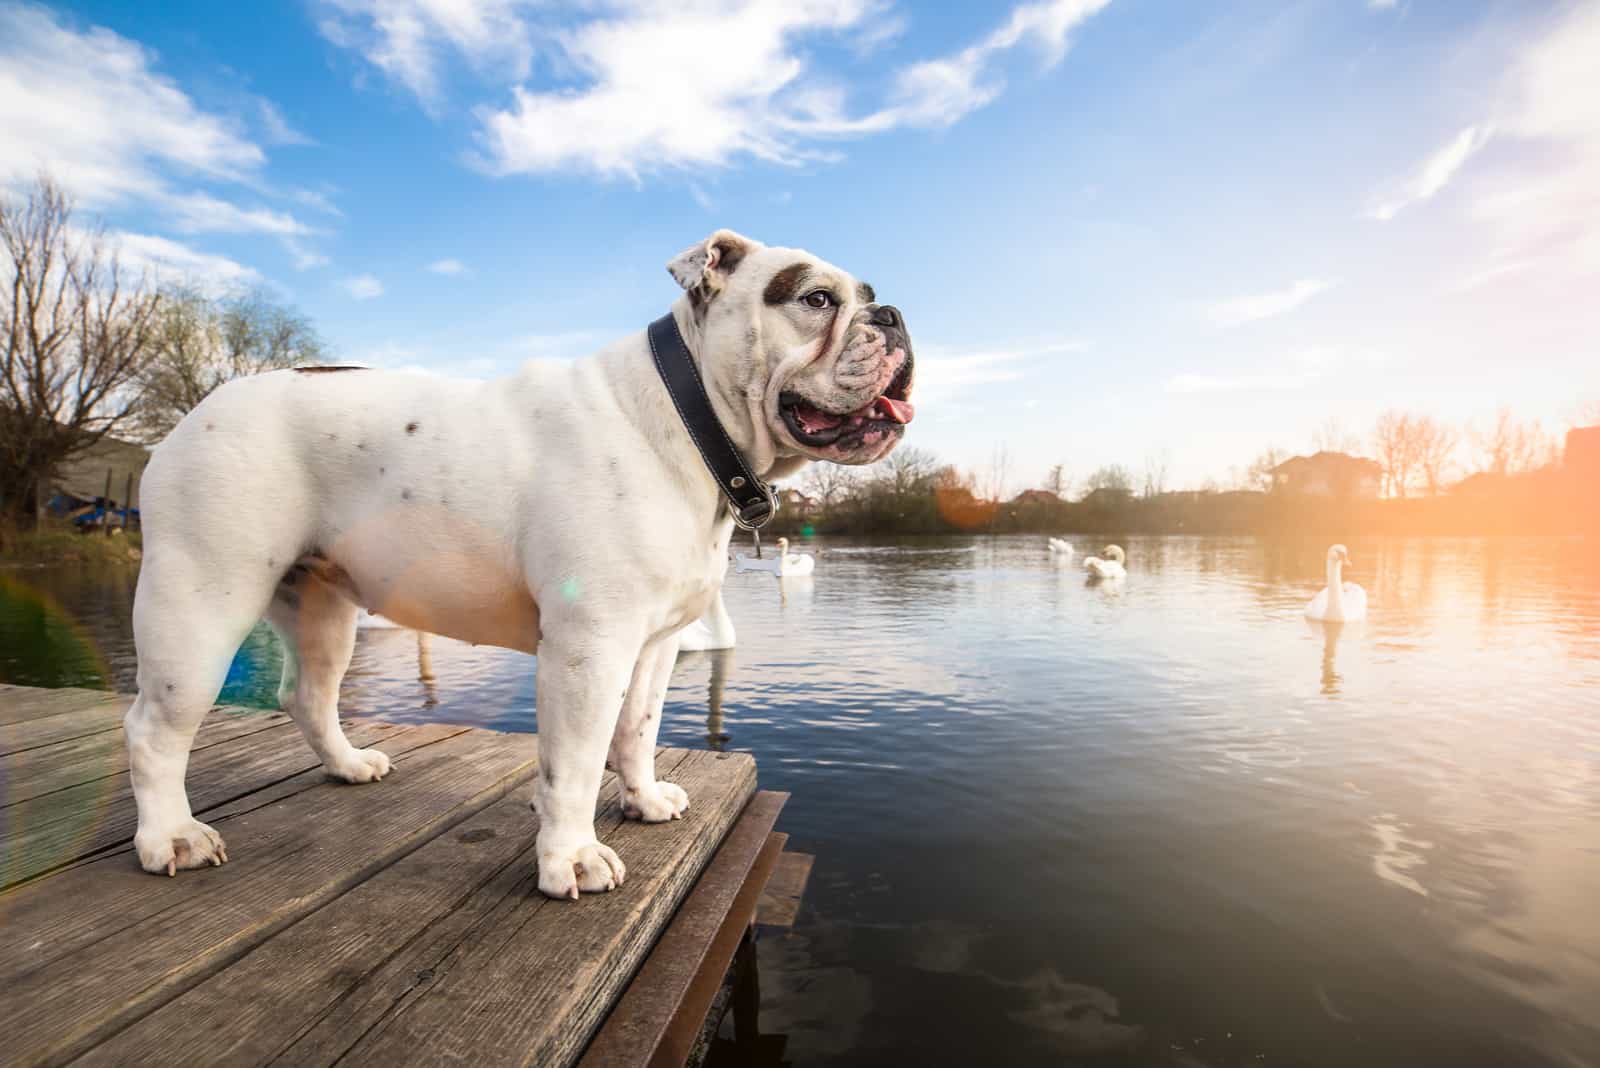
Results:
x,y
785,564
1339,601
1061,547
1108,566
714,630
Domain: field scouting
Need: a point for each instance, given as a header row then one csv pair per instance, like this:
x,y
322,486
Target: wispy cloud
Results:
x,y
1433,175
1295,370
362,287
447,267
1236,311
409,40
943,373
761,98
1382,5
164,259
90,108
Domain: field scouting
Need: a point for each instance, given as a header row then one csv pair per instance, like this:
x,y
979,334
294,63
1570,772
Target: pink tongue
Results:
x,y
896,411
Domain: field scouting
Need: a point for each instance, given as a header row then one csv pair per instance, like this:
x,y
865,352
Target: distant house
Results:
x,y
1035,497
1329,474
82,479
1581,460
793,502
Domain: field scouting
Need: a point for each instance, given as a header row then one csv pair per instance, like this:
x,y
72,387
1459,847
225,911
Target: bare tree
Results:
x,y
1435,445
1156,465
75,333
908,470
1396,439
1331,436
829,484
203,341
1110,477
998,474
1509,447
1259,474
1057,481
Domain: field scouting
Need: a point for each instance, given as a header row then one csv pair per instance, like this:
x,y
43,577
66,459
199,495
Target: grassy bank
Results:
x,y
51,544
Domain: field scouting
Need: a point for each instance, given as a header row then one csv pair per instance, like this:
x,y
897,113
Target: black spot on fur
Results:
x,y
866,293
383,470
411,428
332,436
361,445
547,773
211,426
172,687
405,495
785,285
271,563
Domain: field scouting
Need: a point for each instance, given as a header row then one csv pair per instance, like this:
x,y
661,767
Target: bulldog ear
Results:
x,y
711,261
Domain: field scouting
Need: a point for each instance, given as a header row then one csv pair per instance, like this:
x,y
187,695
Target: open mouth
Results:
x,y
816,427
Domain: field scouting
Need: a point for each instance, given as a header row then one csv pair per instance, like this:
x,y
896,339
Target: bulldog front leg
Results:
x,y
633,745
579,694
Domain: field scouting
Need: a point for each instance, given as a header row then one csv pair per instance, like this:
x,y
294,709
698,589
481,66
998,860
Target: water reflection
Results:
x,y
1047,816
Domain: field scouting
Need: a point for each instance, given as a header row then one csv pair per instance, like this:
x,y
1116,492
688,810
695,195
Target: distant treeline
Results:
x,y
921,498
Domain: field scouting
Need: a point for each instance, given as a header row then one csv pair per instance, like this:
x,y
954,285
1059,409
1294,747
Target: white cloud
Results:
x,y
1434,173
943,373
164,259
89,108
1237,311
447,266
646,97
363,287
1382,5
406,38
276,127
204,213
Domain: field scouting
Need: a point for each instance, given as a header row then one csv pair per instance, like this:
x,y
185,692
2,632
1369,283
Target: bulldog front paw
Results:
x,y
656,803
191,844
591,869
359,765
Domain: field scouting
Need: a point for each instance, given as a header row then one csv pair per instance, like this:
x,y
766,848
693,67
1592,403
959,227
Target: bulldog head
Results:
x,y
796,352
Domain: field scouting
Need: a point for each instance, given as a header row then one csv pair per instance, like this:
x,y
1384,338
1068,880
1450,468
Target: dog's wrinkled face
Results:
x,y
823,370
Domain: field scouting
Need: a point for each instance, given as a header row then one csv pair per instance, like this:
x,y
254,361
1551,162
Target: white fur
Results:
x,y
563,511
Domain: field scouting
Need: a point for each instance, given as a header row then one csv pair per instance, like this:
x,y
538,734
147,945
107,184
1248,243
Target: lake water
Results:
x,y
1164,822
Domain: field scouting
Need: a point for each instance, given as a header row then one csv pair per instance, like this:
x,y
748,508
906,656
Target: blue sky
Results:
x,y
1118,229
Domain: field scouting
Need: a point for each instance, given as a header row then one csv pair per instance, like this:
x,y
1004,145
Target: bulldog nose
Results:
x,y
885,315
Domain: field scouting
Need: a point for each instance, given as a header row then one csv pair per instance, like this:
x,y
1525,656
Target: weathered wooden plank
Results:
x,y
159,937
18,704
48,832
63,726
643,1018
321,982
46,769
490,998
780,901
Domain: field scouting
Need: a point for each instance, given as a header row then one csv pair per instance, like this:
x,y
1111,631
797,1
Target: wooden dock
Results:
x,y
391,923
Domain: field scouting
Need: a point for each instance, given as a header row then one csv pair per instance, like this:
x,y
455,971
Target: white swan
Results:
x,y
1061,547
1339,601
1109,567
785,564
714,630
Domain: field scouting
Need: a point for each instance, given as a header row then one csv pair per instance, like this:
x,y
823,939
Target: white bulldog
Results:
x,y
563,510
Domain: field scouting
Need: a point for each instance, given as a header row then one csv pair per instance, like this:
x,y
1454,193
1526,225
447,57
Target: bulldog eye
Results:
x,y
819,298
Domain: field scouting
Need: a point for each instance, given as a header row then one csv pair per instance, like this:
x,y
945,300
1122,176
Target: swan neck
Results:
x,y
1335,587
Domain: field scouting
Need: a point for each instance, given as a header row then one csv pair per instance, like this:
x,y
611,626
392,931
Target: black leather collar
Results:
x,y
751,500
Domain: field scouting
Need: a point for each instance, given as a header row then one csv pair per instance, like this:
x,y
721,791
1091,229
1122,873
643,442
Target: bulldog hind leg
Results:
x,y
317,625
187,624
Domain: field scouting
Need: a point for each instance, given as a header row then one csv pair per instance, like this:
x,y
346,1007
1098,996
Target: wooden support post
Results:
x,y
105,512
127,501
